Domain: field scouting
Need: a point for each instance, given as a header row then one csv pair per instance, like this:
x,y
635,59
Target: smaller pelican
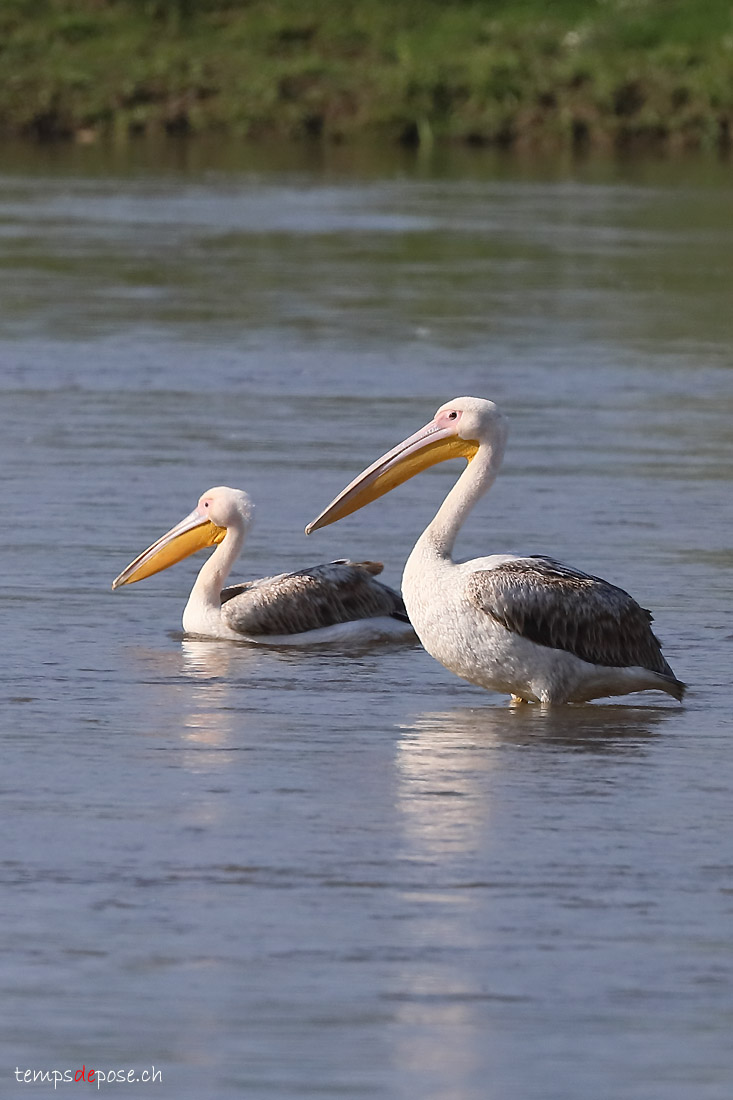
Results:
x,y
526,625
338,601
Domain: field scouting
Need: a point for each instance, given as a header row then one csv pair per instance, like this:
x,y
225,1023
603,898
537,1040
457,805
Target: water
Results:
x,y
277,874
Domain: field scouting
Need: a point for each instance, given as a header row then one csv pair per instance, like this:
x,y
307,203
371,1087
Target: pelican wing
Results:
x,y
292,603
563,608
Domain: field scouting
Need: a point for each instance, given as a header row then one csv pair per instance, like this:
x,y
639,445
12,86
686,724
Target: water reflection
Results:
x,y
208,724
451,763
205,660
440,786
479,823
191,688
589,728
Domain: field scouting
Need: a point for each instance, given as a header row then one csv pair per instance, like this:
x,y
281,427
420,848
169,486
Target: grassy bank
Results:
x,y
534,73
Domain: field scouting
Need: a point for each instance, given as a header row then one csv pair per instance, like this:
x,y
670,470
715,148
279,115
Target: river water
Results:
x,y
287,874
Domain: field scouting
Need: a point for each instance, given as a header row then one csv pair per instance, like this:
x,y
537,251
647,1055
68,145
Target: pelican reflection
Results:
x,y
450,764
590,728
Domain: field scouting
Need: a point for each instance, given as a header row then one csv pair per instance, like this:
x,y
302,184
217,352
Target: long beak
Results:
x,y
193,533
433,443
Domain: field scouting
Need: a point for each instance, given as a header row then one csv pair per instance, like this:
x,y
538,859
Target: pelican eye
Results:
x,y
453,415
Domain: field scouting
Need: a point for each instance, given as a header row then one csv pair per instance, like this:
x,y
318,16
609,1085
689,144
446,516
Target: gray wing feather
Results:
x,y
563,608
308,599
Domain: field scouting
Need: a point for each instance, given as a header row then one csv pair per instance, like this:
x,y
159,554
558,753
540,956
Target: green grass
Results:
x,y
534,73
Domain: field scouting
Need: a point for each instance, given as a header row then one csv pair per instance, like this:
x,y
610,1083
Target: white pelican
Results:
x,y
339,601
526,625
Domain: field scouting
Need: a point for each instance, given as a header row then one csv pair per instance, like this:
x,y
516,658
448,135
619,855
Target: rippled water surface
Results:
x,y
286,874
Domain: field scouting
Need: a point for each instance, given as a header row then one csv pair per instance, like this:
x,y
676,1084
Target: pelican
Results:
x,y
528,626
338,601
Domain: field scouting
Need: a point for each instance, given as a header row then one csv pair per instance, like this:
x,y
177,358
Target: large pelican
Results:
x,y
526,625
340,601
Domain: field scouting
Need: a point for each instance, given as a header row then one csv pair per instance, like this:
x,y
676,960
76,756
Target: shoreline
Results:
x,y
598,77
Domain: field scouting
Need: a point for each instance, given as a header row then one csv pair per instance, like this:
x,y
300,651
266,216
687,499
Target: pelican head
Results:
x,y
457,430
217,511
